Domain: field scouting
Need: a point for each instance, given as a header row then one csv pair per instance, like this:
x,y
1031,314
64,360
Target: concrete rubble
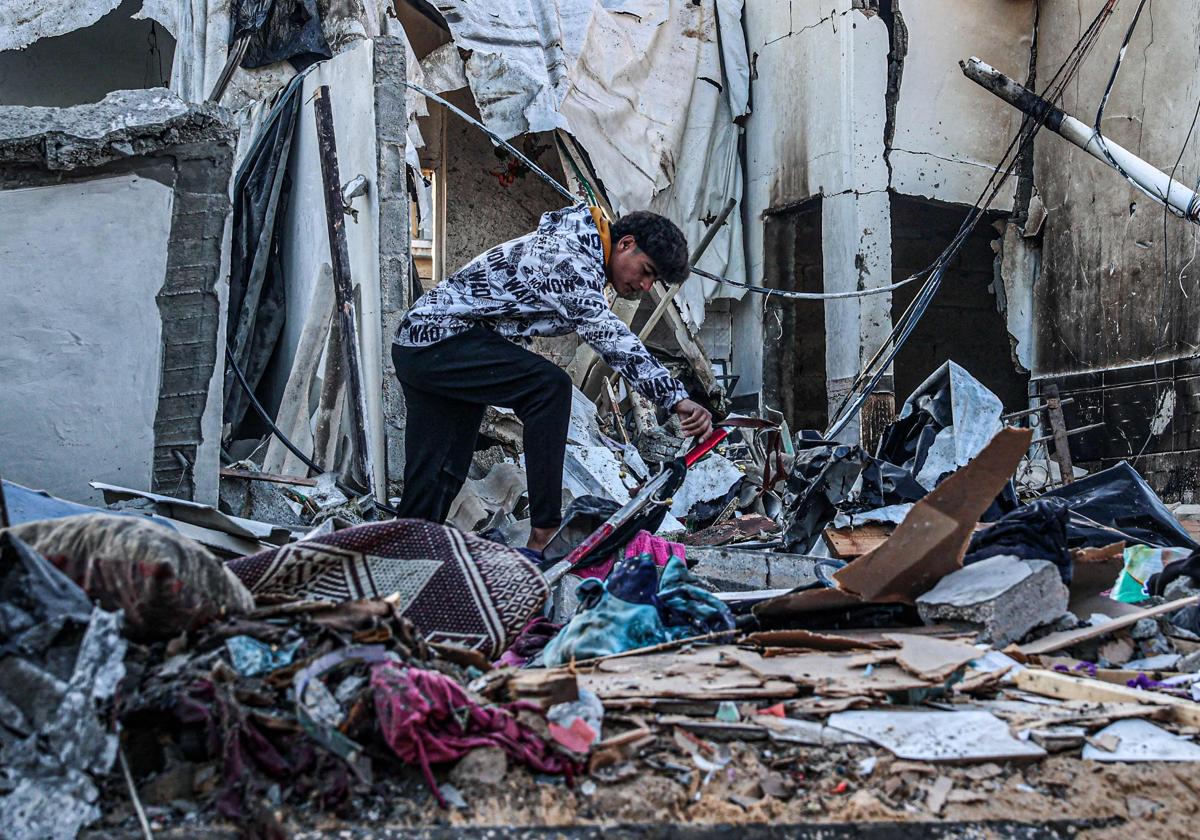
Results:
x,y
1003,597
939,564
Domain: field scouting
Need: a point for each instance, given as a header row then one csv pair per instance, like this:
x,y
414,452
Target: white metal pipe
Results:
x,y
1181,200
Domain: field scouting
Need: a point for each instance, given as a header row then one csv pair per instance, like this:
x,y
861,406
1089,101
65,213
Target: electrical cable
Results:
x,y
883,357
549,179
533,167
295,450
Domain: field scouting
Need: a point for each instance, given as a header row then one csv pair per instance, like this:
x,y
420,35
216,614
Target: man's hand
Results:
x,y
694,419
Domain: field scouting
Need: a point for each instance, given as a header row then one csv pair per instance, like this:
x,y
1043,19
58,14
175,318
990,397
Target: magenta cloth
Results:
x,y
644,543
427,718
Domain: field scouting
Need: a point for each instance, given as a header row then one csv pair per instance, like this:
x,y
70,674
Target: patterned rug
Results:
x,y
455,587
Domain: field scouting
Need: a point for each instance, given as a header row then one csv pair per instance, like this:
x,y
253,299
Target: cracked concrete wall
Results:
x,y
818,88
78,52
950,133
1115,317
853,100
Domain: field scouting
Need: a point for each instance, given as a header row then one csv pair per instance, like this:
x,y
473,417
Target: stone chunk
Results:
x,y
124,124
1004,597
730,569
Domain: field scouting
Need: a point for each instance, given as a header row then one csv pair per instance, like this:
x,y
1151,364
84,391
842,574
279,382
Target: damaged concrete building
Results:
x,y
950,353
844,132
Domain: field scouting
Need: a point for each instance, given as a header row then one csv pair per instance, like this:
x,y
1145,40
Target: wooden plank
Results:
x,y
546,688
343,286
848,543
1058,425
229,472
1058,641
1067,687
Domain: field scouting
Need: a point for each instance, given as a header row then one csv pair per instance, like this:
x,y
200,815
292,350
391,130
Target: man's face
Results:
x,y
631,271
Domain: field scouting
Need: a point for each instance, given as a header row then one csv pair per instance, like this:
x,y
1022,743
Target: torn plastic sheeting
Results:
x,y
825,479
1117,504
1142,562
654,100
279,30
63,737
942,426
637,83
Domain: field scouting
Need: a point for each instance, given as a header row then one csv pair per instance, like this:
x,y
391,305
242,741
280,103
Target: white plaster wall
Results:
x,y
950,133
80,352
817,129
351,80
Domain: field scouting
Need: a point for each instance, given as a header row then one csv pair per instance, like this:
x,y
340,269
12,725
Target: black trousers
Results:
x,y
447,386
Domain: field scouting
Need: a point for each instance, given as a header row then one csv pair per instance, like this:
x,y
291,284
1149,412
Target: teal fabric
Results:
x,y
606,624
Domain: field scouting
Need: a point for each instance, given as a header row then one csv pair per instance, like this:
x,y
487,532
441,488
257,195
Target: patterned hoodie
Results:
x,y
549,282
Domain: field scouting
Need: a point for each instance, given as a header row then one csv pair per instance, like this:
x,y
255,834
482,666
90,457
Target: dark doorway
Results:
x,y
963,322
794,330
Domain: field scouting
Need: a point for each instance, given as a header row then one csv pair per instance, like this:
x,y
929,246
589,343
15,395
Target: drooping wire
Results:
x,y
549,179
857,395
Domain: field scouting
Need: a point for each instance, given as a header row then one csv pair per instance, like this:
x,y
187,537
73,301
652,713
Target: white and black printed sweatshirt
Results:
x,y
546,283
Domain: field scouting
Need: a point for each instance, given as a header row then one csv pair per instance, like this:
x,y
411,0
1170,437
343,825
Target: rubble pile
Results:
x,y
794,630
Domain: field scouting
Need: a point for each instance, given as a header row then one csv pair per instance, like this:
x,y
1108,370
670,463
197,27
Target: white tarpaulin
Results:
x,y
650,88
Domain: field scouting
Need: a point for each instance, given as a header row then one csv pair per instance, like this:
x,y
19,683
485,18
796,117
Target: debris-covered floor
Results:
x,y
896,644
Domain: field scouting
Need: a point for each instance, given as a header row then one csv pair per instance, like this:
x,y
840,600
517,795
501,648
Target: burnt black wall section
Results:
x,y
963,323
794,379
1151,417
189,148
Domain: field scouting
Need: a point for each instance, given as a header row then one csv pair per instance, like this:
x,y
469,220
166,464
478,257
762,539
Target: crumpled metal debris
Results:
x,y
60,663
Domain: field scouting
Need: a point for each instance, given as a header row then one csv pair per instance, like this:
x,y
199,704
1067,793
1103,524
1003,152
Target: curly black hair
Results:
x,y
660,239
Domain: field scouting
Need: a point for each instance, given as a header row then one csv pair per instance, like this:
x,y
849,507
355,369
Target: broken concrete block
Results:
x,y
1004,596
565,601
787,571
729,569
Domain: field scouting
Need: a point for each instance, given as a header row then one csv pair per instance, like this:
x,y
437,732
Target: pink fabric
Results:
x,y
427,718
644,543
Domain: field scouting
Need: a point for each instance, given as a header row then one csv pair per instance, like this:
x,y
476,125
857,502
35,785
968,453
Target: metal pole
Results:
x,y
1181,200
335,214
705,241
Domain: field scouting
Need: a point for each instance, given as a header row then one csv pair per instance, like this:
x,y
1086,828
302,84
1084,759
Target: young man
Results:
x,y
456,352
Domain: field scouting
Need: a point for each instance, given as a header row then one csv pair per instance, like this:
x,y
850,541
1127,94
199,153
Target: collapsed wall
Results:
x,y
115,217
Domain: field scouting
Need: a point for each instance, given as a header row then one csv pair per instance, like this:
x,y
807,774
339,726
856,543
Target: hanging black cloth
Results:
x,y
278,30
256,285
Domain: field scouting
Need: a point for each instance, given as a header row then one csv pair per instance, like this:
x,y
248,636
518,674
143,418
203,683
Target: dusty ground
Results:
x,y
762,784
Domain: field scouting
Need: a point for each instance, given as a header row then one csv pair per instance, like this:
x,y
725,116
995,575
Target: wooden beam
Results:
x,y
1066,638
343,286
229,472
1067,687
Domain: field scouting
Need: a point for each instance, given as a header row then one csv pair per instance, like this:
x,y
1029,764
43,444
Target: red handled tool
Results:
x,y
631,508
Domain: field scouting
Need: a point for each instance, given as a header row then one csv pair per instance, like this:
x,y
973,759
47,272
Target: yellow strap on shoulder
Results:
x,y
605,233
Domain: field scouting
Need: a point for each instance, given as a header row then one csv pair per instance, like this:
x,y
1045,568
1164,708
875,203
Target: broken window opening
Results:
x,y
115,53
963,322
422,232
